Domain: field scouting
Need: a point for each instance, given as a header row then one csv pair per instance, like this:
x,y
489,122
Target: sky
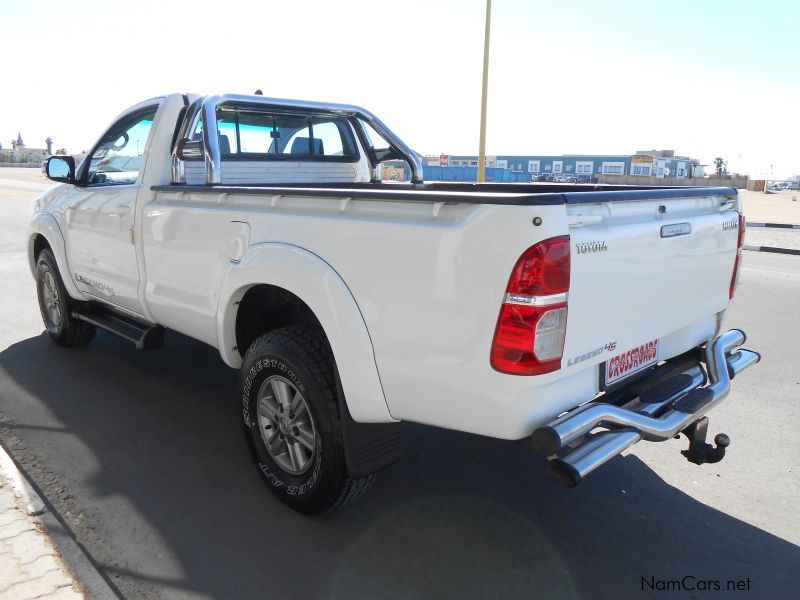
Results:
x,y
706,78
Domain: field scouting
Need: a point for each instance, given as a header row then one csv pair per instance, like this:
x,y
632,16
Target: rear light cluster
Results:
x,y
529,338
737,264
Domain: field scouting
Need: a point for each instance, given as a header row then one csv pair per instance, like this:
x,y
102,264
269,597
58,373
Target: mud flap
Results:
x,y
368,447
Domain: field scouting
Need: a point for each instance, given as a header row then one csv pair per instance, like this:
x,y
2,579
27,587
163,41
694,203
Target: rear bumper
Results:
x,y
574,447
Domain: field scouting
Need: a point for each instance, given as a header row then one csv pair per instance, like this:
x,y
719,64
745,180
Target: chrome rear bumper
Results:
x,y
575,450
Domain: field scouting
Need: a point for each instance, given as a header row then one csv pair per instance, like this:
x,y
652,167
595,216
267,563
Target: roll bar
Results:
x,y
206,107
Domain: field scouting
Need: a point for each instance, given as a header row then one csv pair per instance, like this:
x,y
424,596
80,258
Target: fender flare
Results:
x,y
46,225
316,283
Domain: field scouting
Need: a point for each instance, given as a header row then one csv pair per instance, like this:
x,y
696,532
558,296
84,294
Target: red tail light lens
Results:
x,y
531,328
737,263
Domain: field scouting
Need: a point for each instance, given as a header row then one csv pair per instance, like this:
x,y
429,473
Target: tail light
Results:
x,y
530,332
737,264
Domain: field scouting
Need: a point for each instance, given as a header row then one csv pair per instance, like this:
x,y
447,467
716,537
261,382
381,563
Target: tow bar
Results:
x,y
698,451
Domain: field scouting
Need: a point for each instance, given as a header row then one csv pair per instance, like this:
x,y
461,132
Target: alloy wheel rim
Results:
x,y
52,307
286,425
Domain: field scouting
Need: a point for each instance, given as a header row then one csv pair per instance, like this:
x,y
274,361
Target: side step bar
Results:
x,y
142,335
575,451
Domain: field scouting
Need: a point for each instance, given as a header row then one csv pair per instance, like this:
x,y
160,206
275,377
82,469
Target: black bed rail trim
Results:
x,y
648,194
501,194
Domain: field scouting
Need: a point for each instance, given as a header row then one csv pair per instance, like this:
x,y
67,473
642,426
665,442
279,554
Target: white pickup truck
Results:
x,y
585,317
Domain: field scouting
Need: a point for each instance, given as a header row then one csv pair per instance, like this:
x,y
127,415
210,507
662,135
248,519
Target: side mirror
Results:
x,y
60,168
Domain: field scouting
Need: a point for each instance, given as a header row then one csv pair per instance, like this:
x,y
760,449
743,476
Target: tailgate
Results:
x,y
643,270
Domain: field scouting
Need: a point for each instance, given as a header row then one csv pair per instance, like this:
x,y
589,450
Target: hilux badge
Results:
x,y
730,224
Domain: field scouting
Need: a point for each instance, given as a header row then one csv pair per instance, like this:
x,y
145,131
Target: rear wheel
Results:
x,y
55,305
292,421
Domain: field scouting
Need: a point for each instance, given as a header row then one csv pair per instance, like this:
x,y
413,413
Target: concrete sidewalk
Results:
x,y
30,565
786,240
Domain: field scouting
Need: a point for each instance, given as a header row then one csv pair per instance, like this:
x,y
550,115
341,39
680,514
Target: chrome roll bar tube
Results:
x,y
207,109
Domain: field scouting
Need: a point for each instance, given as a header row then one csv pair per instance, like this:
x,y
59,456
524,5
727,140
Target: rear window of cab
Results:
x,y
255,135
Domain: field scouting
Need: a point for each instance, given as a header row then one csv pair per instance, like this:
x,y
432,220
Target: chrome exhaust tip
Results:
x,y
546,441
563,472
599,448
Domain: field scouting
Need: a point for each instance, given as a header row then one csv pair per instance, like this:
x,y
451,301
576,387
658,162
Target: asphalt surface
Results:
x,y
143,456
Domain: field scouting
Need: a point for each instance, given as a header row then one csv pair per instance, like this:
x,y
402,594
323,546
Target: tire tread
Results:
x,y
311,345
75,332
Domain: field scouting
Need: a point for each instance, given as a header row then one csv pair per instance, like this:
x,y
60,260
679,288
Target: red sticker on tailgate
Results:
x,y
632,361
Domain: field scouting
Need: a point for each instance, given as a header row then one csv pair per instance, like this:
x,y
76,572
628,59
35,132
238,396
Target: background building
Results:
x,y
21,153
585,167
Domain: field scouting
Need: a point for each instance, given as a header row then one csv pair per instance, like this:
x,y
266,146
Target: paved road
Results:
x,y
142,454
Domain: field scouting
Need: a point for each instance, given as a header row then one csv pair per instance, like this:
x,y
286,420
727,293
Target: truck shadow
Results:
x,y
158,486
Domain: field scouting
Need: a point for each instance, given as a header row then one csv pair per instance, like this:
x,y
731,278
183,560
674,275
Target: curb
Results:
x,y
72,553
772,249
776,225
34,505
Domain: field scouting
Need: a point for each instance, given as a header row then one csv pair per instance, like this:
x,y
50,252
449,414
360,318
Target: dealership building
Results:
x,y
646,163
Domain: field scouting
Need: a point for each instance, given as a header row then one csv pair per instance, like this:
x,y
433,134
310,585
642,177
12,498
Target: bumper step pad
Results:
x,y
666,388
694,401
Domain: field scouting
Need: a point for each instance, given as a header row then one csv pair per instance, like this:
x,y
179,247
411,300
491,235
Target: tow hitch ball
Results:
x,y
699,452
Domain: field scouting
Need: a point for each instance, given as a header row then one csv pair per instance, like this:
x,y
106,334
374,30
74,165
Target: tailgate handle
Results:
x,y
676,229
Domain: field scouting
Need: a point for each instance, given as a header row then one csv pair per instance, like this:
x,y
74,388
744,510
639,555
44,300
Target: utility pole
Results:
x,y
482,143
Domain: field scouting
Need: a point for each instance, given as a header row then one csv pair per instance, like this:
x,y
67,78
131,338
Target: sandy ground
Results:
x,y
781,207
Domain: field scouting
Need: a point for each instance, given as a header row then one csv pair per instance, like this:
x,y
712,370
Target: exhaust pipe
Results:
x,y
592,454
627,427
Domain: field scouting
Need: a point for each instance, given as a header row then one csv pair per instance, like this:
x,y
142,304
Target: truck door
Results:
x,y
101,213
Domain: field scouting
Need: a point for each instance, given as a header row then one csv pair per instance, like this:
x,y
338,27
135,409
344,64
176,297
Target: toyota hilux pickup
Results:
x,y
586,318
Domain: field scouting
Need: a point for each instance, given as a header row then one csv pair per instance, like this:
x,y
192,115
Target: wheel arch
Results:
x,y
316,294
44,232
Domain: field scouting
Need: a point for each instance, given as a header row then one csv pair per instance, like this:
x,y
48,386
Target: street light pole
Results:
x,y
482,143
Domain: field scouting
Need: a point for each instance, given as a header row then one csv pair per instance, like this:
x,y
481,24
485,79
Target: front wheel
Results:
x,y
55,305
292,422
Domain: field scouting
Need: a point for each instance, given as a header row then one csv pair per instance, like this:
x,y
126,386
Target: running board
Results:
x,y
143,336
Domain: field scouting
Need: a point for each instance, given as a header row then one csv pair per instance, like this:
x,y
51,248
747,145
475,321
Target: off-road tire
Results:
x,y
301,356
66,330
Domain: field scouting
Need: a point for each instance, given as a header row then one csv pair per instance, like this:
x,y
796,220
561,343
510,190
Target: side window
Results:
x,y
333,136
375,139
117,160
226,128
